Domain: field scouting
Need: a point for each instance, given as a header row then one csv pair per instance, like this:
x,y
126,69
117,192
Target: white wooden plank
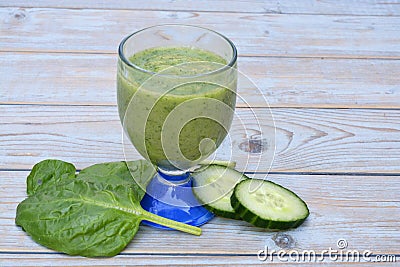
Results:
x,y
356,7
157,260
307,140
359,209
100,31
89,79
352,7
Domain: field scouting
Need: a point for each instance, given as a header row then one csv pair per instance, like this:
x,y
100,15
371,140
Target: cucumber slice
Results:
x,y
268,205
213,187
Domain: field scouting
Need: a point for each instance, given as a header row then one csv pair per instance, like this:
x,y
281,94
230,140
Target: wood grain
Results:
x,y
307,140
88,79
350,7
354,208
100,31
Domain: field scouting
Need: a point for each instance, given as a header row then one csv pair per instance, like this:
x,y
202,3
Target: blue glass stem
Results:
x,y
171,196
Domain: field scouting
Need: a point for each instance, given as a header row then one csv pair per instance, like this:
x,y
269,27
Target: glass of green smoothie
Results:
x,y
176,89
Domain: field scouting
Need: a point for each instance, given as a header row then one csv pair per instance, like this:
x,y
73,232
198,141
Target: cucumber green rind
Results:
x,y
225,214
211,197
257,220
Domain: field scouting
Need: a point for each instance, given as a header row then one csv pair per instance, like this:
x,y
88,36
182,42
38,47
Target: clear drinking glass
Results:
x,y
178,116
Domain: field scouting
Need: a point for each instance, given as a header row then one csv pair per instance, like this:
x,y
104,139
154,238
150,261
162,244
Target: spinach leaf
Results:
x,y
81,218
52,171
93,214
48,172
136,174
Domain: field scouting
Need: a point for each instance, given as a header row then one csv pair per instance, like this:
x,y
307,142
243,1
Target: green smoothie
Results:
x,y
180,115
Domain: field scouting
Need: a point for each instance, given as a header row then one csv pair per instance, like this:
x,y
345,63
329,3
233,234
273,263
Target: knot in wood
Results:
x,y
19,14
255,144
283,240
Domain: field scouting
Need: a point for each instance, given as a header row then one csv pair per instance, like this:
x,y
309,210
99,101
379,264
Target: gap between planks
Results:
x,y
242,55
162,254
270,12
338,107
355,174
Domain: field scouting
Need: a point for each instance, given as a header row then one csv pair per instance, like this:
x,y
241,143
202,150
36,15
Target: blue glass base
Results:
x,y
171,196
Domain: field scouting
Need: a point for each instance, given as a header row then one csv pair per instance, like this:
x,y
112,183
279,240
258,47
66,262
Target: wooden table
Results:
x,y
330,71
